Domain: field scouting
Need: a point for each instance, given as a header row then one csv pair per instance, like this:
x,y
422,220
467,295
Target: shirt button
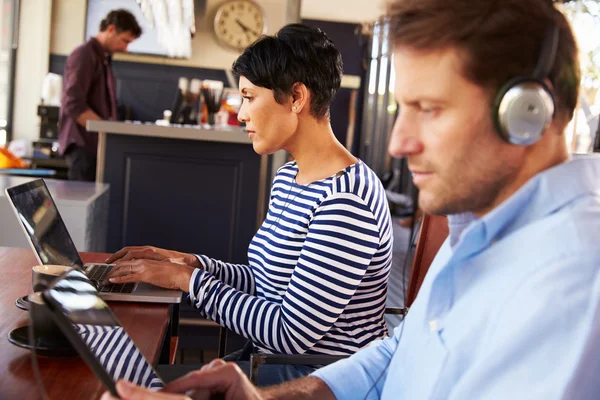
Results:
x,y
433,325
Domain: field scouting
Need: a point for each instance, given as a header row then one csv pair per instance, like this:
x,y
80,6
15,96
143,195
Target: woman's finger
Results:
x,y
126,278
143,253
122,273
120,270
118,255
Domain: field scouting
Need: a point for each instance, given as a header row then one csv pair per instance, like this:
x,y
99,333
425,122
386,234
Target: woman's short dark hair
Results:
x,y
297,53
123,20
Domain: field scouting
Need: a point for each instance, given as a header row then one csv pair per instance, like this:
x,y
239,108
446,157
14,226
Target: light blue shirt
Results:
x,y
510,308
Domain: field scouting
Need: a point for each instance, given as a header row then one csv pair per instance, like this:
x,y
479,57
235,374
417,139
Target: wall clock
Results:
x,y
238,23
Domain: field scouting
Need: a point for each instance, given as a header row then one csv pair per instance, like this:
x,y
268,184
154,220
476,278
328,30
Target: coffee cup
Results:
x,y
42,276
40,318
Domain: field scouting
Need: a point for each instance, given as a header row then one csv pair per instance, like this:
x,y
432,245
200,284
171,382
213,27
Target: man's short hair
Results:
x,y
123,20
297,53
498,40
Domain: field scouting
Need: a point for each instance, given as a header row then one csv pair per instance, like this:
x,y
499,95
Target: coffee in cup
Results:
x,y
43,275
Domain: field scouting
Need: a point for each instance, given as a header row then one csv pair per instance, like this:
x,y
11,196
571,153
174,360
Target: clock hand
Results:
x,y
246,29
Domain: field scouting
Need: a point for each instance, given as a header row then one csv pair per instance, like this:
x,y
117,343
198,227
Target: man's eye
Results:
x,y
429,111
247,98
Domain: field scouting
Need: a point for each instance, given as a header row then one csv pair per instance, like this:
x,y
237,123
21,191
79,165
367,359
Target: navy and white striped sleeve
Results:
x,y
342,239
238,276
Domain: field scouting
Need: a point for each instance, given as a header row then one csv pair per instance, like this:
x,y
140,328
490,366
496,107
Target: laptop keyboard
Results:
x,y
97,272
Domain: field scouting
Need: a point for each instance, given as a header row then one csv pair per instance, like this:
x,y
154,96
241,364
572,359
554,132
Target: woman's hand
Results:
x,y
160,273
154,253
217,378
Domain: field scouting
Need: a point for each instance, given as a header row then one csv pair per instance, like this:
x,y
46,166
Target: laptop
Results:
x,y
52,244
96,334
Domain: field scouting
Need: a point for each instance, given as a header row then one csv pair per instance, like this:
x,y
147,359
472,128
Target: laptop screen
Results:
x,y
99,337
41,221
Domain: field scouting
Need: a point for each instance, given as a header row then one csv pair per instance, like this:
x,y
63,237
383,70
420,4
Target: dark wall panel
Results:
x,y
351,47
349,44
184,195
147,89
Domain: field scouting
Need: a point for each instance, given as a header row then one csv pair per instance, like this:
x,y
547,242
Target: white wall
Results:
x,y
32,66
342,10
68,27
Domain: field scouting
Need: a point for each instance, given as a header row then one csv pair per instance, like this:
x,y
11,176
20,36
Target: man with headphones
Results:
x,y
510,307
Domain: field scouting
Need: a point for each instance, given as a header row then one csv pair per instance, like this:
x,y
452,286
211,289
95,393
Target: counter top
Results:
x,y
63,192
229,134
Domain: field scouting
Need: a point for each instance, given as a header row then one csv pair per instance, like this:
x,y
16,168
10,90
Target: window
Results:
x,y
9,17
584,16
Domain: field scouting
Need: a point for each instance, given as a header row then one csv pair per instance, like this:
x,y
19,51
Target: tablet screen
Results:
x,y
93,327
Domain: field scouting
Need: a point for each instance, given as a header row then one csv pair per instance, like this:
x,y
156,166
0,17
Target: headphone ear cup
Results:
x,y
523,109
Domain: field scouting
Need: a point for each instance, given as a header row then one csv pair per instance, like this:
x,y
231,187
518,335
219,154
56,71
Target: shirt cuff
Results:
x,y
193,285
339,380
360,376
205,262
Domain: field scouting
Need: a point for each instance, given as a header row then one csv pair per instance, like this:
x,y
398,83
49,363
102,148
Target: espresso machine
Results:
x,y
47,145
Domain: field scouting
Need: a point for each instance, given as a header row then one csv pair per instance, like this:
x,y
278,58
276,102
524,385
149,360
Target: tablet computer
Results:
x,y
96,334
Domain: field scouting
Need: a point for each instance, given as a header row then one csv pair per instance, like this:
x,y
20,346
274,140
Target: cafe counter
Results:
x,y
185,188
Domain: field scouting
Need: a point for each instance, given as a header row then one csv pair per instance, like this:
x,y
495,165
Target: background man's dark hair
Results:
x,y
123,20
297,53
498,40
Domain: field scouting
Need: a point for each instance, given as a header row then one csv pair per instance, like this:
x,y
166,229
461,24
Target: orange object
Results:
x,y
9,160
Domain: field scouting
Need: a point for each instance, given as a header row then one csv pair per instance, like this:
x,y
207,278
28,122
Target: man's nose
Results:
x,y
404,142
405,146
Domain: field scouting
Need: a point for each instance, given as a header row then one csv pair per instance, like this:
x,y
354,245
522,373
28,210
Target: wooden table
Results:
x,y
63,378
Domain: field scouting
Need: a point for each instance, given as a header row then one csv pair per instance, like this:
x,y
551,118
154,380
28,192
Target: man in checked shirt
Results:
x,y
89,91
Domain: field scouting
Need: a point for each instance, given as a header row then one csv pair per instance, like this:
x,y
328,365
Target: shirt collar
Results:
x,y
99,49
543,194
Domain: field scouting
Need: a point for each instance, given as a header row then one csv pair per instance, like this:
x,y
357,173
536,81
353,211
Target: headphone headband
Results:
x,y
547,54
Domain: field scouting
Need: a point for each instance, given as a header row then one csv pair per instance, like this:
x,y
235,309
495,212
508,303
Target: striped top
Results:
x,y
119,356
318,267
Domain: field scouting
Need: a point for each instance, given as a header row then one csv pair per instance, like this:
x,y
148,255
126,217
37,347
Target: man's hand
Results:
x,y
129,391
217,379
214,379
160,273
86,116
154,253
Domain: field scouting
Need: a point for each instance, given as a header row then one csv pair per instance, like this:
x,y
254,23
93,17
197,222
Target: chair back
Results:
x,y
434,230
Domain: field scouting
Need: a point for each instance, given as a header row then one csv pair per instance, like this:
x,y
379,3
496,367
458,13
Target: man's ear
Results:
x,y
300,97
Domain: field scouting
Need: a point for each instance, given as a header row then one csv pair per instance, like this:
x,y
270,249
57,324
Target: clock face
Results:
x,y
239,23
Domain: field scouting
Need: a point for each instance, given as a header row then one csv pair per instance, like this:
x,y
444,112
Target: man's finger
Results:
x,y
217,362
217,379
107,396
129,391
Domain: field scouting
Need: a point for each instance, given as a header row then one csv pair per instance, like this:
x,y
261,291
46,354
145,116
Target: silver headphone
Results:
x,y
524,106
